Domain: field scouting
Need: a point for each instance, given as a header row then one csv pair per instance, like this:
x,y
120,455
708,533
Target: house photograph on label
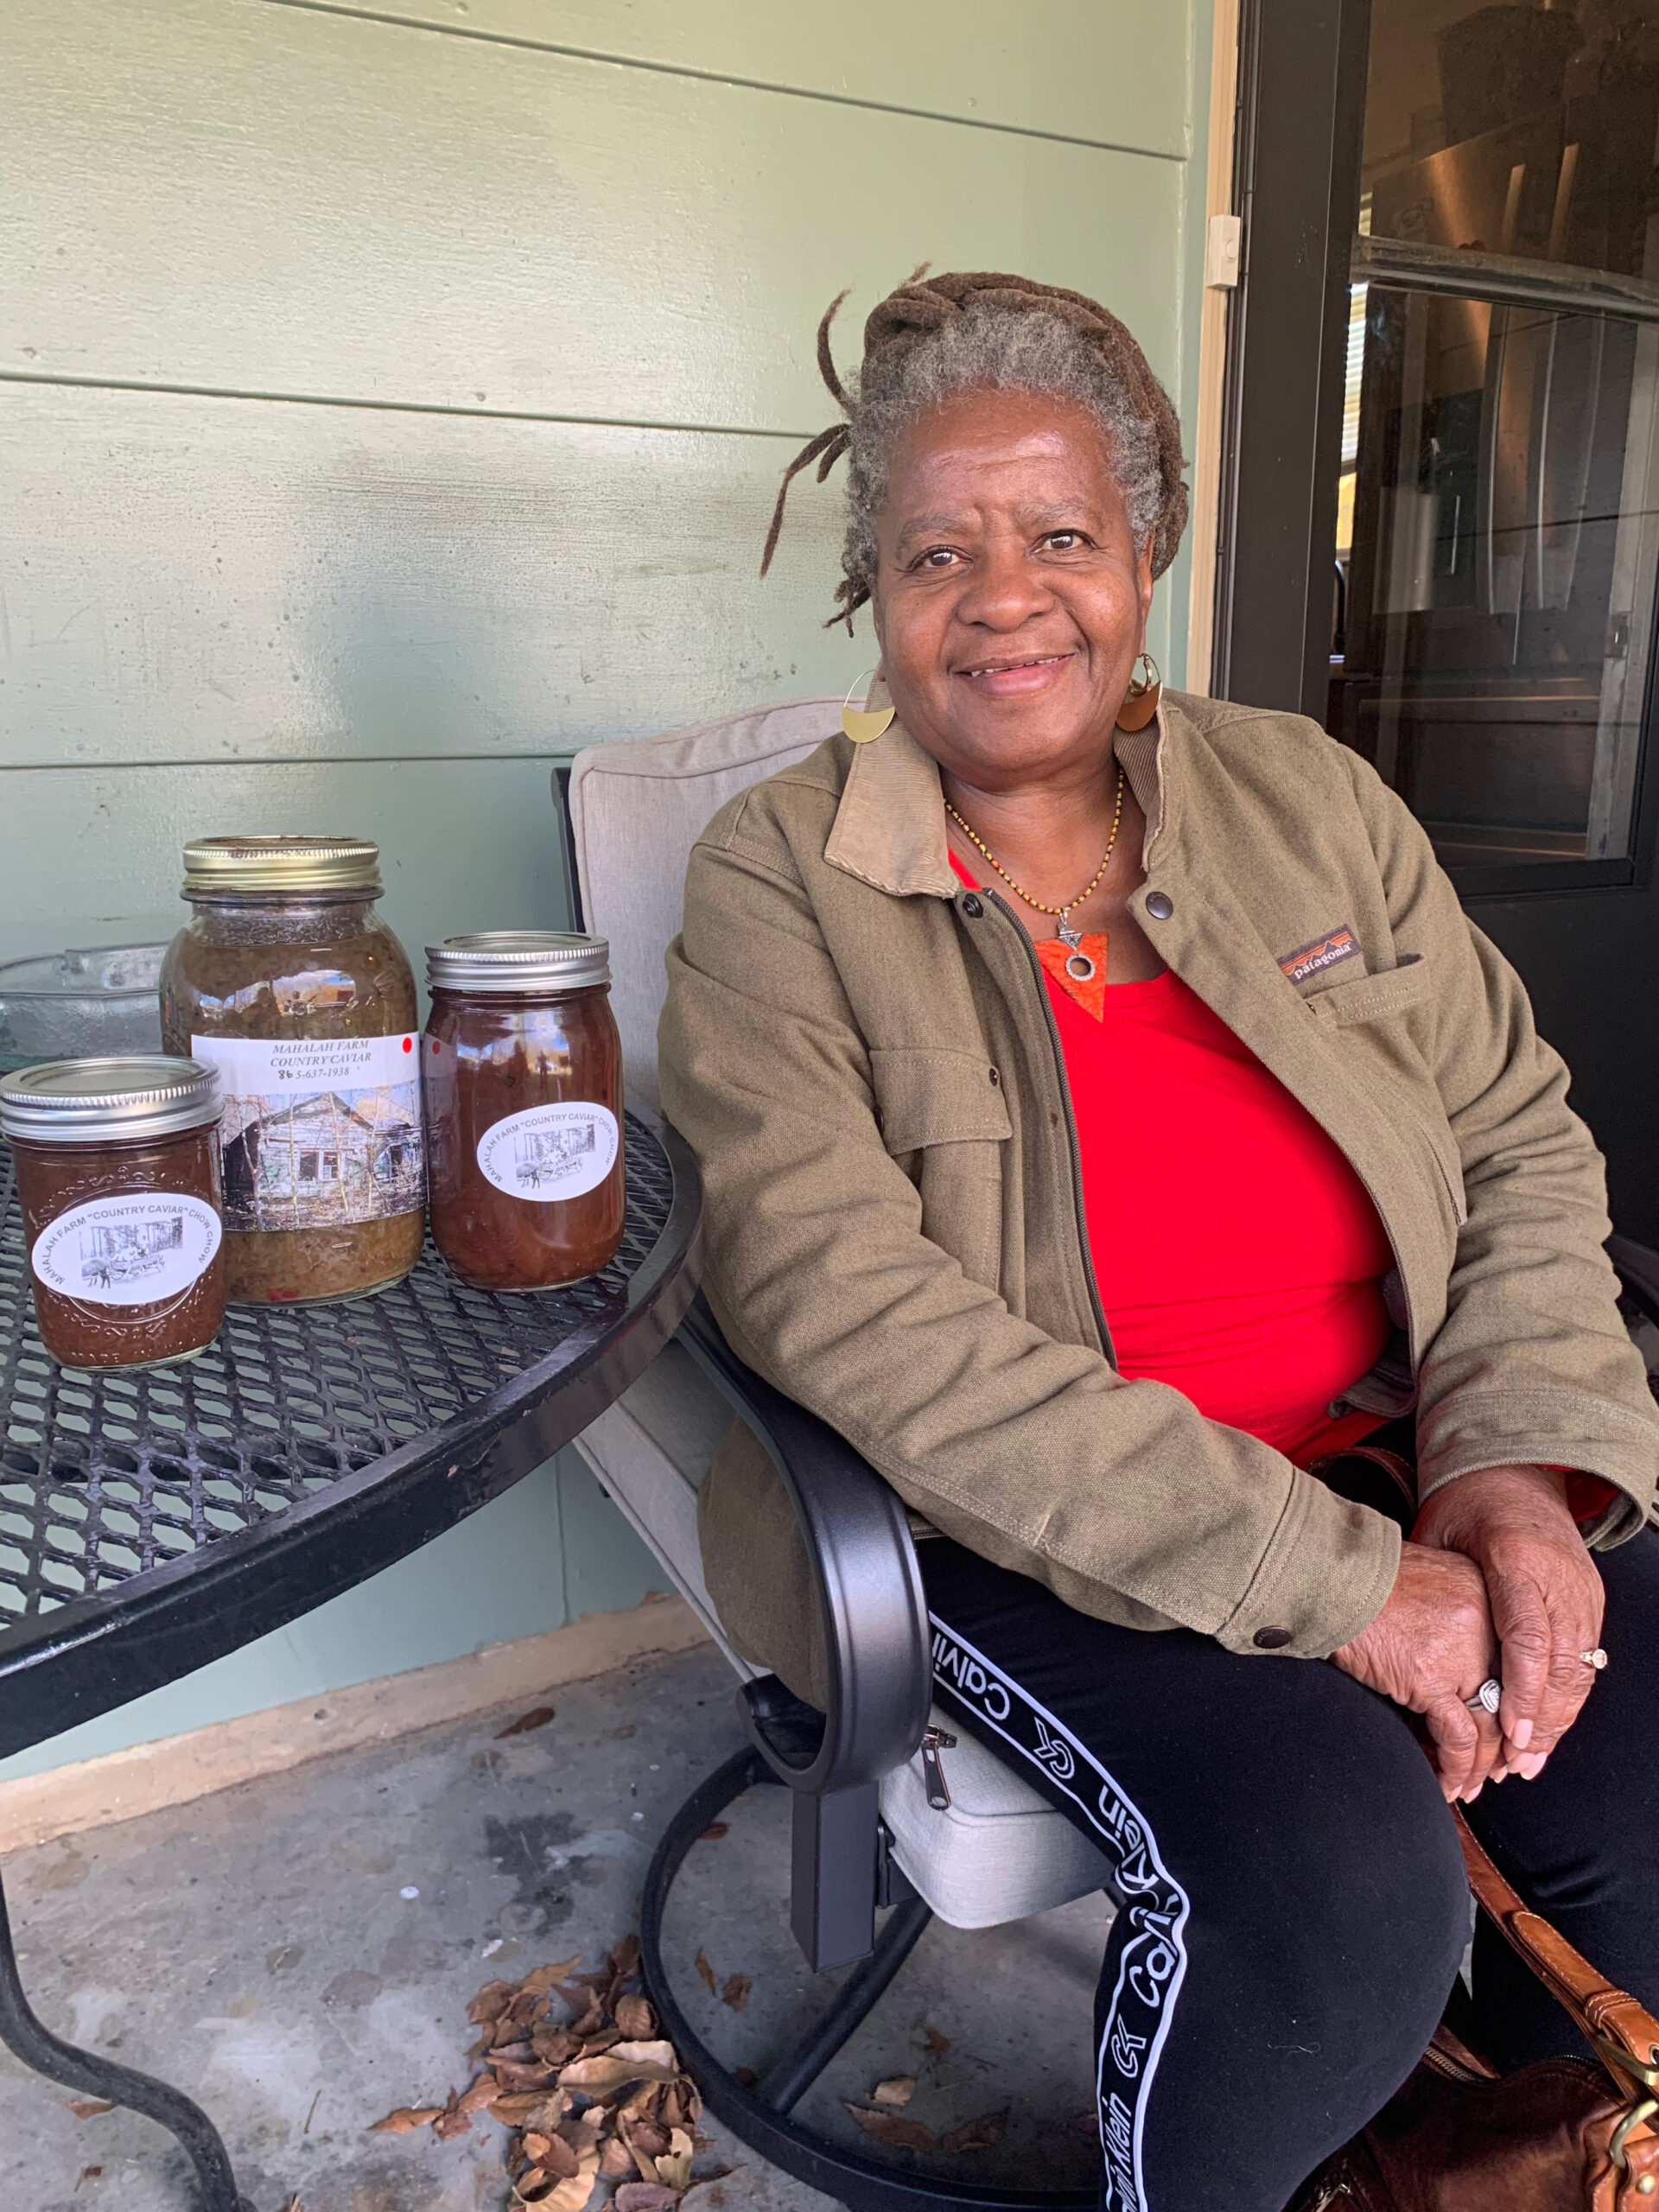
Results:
x,y
340,1157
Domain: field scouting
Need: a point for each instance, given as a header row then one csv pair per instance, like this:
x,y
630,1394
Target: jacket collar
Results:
x,y
889,828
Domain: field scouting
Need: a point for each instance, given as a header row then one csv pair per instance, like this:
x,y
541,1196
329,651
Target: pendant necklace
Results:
x,y
1078,965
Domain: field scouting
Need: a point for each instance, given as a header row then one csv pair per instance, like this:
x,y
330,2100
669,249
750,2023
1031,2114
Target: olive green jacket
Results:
x,y
861,1054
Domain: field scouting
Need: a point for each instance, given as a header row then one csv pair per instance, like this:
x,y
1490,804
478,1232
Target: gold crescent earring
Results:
x,y
1140,700
862,726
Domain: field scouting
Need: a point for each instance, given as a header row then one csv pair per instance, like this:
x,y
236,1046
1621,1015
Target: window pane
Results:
x,y
1516,131
1497,588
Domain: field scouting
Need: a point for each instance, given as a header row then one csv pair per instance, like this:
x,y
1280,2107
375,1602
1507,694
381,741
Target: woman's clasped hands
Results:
x,y
1495,1581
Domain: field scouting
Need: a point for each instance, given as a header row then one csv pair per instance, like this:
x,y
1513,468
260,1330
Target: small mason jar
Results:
x,y
286,981
521,1069
117,1170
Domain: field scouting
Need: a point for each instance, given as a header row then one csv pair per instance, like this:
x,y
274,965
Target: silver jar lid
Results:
x,y
521,964
105,1102
297,867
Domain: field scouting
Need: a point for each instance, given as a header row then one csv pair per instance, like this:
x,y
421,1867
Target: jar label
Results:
x,y
133,1250
318,1131
550,1152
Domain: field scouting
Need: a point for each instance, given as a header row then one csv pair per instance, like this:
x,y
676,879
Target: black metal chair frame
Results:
x,y
874,1620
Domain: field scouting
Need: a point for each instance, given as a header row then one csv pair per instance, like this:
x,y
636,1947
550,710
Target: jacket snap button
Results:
x,y
996,1077
1271,1639
971,906
1160,905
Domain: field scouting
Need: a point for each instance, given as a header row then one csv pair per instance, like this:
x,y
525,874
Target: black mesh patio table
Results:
x,y
150,1521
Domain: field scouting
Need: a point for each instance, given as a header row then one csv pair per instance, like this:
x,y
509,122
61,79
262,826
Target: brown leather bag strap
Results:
x,y
1624,2032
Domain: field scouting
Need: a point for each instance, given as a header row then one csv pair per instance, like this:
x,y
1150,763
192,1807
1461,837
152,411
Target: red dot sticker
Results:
x,y
409,1044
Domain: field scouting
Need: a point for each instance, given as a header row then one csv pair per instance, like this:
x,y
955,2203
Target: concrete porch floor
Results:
x,y
298,1953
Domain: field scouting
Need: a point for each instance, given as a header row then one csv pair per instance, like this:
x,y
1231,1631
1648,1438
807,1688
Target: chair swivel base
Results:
x,y
761,2117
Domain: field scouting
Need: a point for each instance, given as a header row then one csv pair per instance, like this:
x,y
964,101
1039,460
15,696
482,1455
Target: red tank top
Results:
x,y
1238,1256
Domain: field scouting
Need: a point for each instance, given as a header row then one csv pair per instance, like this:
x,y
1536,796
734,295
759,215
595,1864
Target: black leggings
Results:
x,y
1293,1901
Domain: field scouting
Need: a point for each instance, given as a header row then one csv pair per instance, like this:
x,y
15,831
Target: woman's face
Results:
x,y
1010,601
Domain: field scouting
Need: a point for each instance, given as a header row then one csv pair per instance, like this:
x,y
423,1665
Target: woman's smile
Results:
x,y
1016,679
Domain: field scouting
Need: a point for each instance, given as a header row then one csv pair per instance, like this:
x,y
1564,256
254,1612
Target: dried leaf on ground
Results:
x,y
546,1978
604,2094
531,2108
603,2076
625,1966
554,2153
1084,2123
888,2128
538,1716
554,2046
511,2076
90,2107
708,1974
736,1992
898,2090
674,2167
681,2103
646,2197
88,2173
715,1830
568,2194
937,2043
406,2118
981,2134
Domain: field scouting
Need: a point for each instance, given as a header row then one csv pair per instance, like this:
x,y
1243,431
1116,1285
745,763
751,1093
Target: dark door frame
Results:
x,y
1296,175
1588,952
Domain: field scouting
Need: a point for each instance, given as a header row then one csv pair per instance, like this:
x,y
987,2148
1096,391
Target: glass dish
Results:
x,y
97,1003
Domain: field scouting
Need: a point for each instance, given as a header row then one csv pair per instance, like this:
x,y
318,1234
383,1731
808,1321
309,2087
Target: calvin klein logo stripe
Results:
x,y
1154,1907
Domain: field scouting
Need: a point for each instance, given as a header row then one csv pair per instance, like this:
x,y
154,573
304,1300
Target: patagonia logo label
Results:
x,y
1323,952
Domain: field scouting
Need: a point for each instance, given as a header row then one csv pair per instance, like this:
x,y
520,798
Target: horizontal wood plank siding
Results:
x,y
190,579
1107,72
217,195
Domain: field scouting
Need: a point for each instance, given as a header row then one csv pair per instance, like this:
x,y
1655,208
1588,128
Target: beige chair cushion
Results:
x,y
637,808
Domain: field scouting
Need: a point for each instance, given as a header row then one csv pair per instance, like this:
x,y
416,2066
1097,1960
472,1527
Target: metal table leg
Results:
x,y
46,2054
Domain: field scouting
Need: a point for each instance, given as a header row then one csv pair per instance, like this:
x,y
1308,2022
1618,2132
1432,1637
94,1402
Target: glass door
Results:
x,y
1496,556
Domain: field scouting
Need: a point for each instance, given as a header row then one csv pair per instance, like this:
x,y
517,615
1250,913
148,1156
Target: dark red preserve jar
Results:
x,y
118,1174
521,1082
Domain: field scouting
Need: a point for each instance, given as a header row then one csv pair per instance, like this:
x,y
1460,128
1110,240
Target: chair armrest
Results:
x,y
1638,1268
868,1584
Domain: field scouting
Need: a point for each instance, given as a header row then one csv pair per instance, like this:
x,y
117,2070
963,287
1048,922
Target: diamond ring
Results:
x,y
1597,1658
1488,1697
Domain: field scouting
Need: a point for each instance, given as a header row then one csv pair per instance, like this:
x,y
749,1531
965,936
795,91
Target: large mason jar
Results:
x,y
287,982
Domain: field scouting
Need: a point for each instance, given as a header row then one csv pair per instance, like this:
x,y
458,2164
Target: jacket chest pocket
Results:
x,y
945,1118
1371,1012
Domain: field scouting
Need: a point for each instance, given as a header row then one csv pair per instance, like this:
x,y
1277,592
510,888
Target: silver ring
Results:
x,y
1488,1697
1597,1658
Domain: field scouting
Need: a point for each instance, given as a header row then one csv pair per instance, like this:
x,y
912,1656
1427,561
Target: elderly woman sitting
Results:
x,y
1112,1126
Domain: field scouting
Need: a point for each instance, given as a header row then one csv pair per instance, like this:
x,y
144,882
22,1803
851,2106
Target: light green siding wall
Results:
x,y
392,398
